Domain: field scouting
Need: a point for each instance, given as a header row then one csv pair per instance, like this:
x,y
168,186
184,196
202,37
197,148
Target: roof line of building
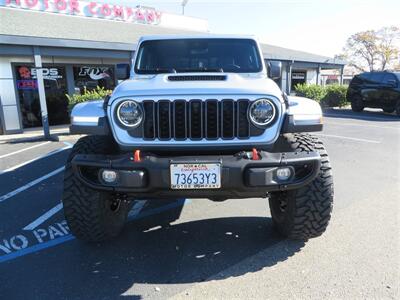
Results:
x,y
269,51
69,43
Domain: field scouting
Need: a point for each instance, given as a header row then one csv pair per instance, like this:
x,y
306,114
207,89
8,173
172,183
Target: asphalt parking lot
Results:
x,y
216,250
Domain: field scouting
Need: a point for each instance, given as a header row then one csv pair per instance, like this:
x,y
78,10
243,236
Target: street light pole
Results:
x,y
42,95
184,2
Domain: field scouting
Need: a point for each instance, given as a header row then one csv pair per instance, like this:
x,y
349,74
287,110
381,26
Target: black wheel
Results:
x,y
357,104
398,108
388,110
305,213
158,212
92,215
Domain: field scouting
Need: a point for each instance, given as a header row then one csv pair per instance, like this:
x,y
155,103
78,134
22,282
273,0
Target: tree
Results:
x,y
373,50
387,48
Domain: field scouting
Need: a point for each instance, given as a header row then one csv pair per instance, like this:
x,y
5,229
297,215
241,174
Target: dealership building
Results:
x,y
78,44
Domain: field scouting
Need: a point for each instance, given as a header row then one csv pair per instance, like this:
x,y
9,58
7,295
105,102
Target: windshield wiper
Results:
x,y
219,70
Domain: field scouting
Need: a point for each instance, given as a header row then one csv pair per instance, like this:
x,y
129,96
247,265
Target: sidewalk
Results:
x,y
36,134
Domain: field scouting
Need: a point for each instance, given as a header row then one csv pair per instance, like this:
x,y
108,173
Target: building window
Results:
x,y
89,77
298,77
55,89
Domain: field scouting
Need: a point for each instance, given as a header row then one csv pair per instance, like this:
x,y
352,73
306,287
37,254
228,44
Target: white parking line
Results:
x,y
348,138
35,159
25,149
47,215
30,184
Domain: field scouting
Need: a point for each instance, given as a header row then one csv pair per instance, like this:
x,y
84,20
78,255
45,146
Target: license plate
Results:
x,y
195,176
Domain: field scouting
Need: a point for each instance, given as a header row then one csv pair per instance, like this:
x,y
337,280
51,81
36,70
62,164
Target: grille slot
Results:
x,y
180,119
149,120
228,117
195,119
164,119
212,119
243,130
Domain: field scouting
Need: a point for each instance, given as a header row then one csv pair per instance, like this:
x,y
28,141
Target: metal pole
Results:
x,y
184,2
42,94
288,77
341,75
319,75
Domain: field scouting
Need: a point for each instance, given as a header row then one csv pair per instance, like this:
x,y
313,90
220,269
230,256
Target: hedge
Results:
x,y
328,96
99,93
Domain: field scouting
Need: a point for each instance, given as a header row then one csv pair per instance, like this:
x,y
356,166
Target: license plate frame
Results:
x,y
187,175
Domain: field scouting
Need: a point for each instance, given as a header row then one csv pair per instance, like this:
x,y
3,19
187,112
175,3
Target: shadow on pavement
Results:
x,y
366,115
182,253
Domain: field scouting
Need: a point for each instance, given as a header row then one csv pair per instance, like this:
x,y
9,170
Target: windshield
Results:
x,y
198,55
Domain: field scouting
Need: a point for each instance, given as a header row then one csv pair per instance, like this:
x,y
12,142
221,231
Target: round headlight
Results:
x,y
130,113
262,112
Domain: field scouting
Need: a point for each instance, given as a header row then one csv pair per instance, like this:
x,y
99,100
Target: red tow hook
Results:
x,y
136,157
255,155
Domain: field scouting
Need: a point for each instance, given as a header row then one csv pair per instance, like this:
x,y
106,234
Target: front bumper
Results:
x,y
240,177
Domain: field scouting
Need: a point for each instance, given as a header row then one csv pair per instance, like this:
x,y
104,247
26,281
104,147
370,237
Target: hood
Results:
x,y
233,84
304,110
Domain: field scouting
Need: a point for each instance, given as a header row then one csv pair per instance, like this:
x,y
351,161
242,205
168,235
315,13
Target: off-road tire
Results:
x,y
304,213
388,110
92,215
398,108
357,104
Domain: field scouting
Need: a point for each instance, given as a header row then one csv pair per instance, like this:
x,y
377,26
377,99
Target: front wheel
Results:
x,y
92,215
357,104
305,213
388,110
398,108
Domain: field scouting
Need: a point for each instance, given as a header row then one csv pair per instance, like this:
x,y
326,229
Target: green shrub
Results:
x,y
327,96
99,93
312,91
335,96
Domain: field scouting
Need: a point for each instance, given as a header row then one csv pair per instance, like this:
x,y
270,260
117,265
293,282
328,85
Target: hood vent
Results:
x,y
197,78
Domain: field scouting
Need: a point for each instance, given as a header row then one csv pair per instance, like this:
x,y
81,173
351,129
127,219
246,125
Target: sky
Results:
x,y
315,26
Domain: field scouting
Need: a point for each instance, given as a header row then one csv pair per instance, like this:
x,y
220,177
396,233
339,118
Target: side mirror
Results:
x,y
123,71
274,69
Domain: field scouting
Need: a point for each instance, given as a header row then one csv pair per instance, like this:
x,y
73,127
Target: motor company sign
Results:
x,y
133,14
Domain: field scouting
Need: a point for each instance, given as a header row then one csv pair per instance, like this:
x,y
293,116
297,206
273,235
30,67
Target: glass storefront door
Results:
x,y
55,88
298,77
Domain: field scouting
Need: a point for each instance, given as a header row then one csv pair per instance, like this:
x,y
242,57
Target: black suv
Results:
x,y
376,90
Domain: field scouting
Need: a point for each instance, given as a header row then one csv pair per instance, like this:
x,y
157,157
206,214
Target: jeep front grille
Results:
x,y
195,120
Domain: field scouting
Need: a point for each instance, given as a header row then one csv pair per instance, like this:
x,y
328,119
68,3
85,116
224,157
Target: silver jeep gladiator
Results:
x,y
197,117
